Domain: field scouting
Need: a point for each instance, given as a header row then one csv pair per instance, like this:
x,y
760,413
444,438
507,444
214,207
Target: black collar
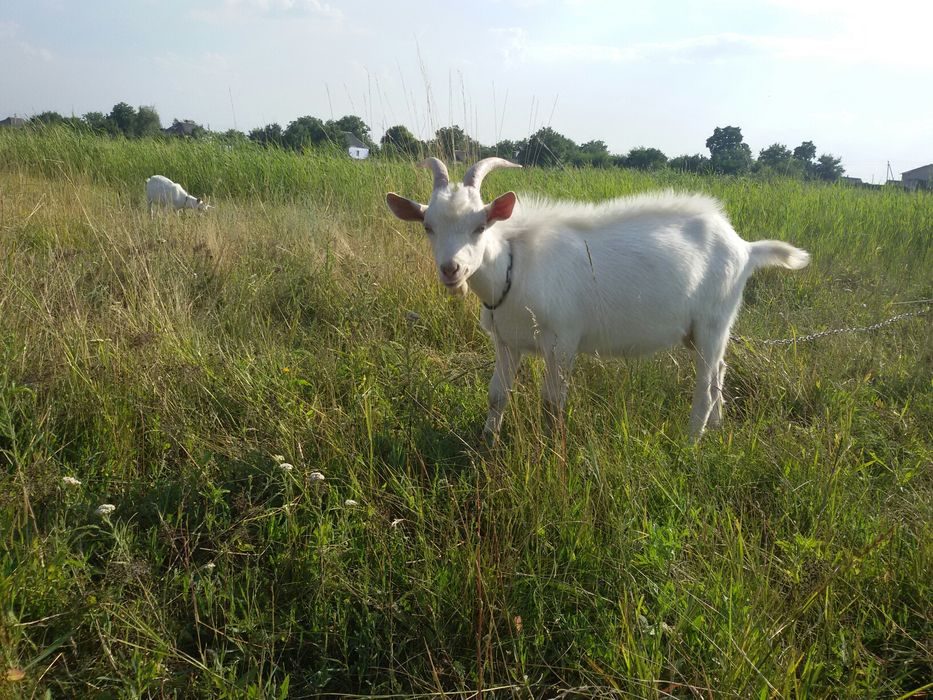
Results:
x,y
508,284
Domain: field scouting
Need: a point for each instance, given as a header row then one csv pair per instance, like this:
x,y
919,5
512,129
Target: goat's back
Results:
x,y
161,190
630,276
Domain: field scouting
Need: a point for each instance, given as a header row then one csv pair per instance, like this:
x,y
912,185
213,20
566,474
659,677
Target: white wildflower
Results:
x,y
70,481
350,503
210,566
105,509
286,467
316,476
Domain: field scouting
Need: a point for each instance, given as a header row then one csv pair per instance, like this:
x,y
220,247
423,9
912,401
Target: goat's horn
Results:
x,y
474,176
441,178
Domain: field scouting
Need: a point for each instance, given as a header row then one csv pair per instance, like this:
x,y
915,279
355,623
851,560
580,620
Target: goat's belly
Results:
x,y
620,343
517,330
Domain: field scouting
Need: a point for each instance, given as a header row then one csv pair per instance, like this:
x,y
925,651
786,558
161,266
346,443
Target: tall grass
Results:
x,y
172,365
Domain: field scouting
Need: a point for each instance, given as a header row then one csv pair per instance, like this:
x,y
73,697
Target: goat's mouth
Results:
x,y
456,287
455,282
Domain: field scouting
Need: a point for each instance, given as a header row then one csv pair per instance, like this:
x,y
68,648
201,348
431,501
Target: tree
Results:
x,y
642,158
309,131
697,163
728,153
593,153
146,122
47,118
354,125
805,152
507,149
449,140
547,147
233,137
778,159
398,140
124,118
775,156
828,168
268,135
100,123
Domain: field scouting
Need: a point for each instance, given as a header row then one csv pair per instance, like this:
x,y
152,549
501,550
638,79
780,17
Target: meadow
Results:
x,y
171,367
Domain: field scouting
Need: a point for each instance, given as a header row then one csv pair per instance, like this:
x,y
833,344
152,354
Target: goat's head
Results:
x,y
456,219
198,204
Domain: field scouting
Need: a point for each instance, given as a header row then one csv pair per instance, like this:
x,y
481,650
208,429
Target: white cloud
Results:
x,y
11,34
850,47
233,10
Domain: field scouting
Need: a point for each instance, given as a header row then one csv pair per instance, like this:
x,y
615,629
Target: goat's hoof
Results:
x,y
490,437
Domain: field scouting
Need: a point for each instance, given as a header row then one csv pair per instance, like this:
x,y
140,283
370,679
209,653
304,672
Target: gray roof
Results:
x,y
350,140
13,121
182,128
923,172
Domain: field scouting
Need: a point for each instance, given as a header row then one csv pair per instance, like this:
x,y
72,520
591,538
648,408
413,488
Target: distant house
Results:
x,y
356,148
918,179
854,181
13,122
182,128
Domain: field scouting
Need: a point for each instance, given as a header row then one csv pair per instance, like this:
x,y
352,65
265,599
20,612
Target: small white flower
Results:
x,y
210,566
350,503
286,467
105,509
70,481
316,476
278,458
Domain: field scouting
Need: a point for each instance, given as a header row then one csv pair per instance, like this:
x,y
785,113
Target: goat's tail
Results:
x,y
768,253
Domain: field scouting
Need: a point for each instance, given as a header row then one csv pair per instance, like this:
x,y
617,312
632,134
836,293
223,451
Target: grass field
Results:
x,y
171,365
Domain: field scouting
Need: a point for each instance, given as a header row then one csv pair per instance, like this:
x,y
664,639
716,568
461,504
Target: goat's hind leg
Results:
x,y
709,348
715,414
558,361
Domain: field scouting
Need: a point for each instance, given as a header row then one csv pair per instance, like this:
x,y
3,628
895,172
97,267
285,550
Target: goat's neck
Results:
x,y
488,282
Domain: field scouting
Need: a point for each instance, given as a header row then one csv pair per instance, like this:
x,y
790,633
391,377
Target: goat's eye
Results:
x,y
479,230
428,230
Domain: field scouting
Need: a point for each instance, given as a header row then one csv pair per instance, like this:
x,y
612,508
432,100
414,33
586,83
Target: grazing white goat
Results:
x,y
163,192
628,277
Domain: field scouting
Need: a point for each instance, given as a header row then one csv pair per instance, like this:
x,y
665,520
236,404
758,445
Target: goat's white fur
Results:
x,y
625,277
163,192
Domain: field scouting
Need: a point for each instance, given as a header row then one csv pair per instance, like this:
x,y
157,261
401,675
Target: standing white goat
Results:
x,y
629,276
163,192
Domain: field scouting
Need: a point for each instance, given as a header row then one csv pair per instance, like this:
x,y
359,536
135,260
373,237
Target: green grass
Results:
x,y
165,364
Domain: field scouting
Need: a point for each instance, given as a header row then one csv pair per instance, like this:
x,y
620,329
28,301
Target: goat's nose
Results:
x,y
450,269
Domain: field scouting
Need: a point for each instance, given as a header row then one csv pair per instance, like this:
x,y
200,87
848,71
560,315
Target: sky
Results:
x,y
854,77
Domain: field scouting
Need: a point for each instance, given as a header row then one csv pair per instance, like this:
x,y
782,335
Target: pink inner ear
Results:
x,y
501,208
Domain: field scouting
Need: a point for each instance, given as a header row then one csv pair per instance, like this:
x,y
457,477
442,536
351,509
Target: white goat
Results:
x,y
629,276
163,192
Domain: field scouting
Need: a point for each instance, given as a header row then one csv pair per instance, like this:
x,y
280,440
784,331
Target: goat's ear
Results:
x,y
405,209
500,208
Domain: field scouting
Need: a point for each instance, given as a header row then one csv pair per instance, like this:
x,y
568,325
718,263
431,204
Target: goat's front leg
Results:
x,y
558,363
508,361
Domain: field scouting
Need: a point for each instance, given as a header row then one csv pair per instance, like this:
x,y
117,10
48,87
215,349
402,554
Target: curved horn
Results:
x,y
441,178
474,176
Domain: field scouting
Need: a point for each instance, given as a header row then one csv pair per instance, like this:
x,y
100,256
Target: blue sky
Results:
x,y
854,77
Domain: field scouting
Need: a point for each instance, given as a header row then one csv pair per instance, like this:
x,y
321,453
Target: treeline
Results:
x,y
728,153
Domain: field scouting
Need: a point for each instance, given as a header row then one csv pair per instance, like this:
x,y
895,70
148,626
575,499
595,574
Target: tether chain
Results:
x,y
832,331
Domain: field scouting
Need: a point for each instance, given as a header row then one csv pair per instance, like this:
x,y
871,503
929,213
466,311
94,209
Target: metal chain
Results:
x,y
832,331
